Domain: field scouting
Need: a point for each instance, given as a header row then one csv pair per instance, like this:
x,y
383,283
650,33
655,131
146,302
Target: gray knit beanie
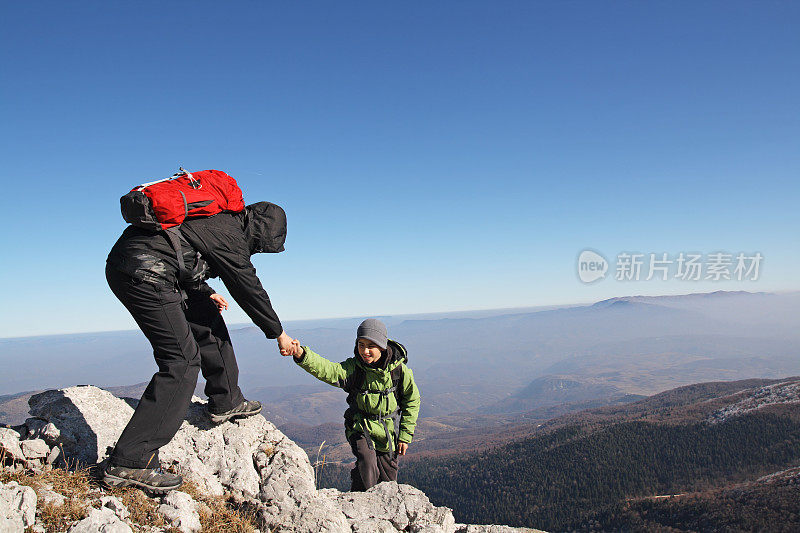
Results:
x,y
374,330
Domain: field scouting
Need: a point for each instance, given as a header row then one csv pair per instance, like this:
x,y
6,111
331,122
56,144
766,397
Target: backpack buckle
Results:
x,y
193,182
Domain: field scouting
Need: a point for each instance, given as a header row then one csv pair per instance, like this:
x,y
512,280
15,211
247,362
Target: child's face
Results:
x,y
368,351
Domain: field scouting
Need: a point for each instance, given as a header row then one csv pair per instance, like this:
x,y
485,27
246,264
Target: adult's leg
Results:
x,y
159,314
218,361
365,474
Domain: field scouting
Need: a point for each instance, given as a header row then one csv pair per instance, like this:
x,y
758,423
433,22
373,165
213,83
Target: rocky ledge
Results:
x,y
248,461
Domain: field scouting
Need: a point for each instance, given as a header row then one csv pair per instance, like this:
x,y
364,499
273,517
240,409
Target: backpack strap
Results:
x,y
352,386
397,382
181,172
173,236
394,416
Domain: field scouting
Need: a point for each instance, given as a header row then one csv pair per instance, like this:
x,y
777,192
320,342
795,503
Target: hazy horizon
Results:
x,y
720,334
305,323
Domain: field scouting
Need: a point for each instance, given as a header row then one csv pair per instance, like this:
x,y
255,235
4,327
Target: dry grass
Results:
x,y
144,510
81,490
218,515
68,484
190,488
221,514
57,518
76,487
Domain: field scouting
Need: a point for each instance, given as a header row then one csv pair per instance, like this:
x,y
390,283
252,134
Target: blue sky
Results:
x,y
439,157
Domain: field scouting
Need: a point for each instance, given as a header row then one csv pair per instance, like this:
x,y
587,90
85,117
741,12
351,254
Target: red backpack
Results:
x,y
166,203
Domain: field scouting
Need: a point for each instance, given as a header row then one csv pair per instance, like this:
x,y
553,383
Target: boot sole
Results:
x,y
114,481
219,419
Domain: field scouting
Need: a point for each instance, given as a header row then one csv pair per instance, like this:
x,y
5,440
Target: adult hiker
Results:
x,y
179,313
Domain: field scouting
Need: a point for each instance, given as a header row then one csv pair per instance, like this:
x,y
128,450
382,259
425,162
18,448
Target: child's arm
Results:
x,y
335,374
409,410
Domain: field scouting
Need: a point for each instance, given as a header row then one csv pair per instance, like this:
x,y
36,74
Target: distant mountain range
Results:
x,y
548,391
478,369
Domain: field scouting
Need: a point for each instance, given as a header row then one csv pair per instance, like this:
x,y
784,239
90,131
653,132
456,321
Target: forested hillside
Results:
x,y
768,504
558,480
600,469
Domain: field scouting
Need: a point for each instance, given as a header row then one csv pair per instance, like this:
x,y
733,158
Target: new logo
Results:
x,y
591,266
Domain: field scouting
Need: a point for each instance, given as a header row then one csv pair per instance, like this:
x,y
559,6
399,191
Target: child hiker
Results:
x,y
382,397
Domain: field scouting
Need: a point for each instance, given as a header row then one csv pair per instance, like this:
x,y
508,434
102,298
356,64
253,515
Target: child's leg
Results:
x,y
356,485
387,466
365,474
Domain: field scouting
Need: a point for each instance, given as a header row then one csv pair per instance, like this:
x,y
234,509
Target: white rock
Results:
x,y
48,496
101,521
9,444
35,449
316,514
113,503
89,419
180,510
219,458
374,525
289,498
406,507
248,458
17,507
42,429
53,456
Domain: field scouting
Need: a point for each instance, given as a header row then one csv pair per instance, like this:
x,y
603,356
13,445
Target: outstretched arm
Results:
x,y
221,241
335,374
239,276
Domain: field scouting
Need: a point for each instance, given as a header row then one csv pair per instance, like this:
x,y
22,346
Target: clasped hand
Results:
x,y
289,346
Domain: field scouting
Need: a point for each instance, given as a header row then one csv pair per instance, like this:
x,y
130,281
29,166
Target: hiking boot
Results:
x,y
246,408
152,480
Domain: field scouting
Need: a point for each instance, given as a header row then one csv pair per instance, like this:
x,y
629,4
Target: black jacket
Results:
x,y
148,256
224,251
221,241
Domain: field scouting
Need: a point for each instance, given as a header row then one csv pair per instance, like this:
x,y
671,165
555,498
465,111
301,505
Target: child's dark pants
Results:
x,y
371,467
184,341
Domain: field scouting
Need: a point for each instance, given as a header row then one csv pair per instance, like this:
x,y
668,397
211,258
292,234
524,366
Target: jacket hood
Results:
x,y
394,355
264,227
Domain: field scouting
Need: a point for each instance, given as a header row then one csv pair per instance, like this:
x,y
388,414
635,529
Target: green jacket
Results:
x,y
337,374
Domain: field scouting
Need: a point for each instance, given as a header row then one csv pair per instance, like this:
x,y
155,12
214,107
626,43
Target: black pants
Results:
x,y
184,341
372,466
